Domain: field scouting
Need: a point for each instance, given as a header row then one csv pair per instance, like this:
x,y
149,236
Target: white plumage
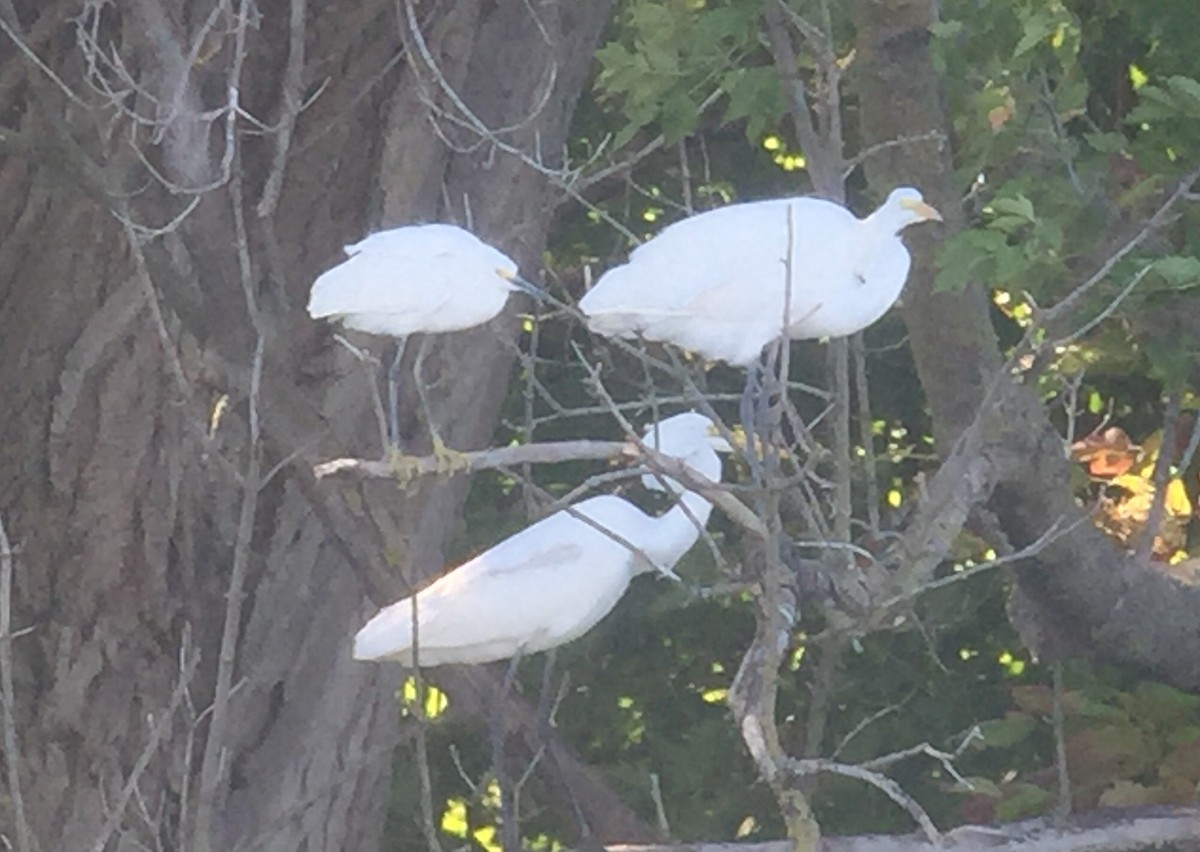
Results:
x,y
554,580
418,278
715,283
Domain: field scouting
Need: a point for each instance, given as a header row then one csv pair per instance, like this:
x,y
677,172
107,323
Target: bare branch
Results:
x,y
213,763
293,83
1162,474
881,782
1053,533
550,453
824,168
866,433
1146,828
867,153
1063,808
12,748
547,453
10,31
1048,318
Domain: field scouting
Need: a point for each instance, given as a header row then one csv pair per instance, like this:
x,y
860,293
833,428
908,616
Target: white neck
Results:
x,y
677,530
888,221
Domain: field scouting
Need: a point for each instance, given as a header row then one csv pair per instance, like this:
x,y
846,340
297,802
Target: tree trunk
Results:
x,y
128,482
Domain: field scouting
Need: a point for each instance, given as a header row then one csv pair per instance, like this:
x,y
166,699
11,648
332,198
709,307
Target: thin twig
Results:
x,y
1060,310
213,763
1185,461
428,825
1052,533
881,782
866,432
1063,809
1162,476
824,162
12,747
293,83
839,360
1108,311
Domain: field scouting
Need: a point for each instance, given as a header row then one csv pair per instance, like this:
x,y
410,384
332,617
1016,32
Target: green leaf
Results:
x,y
1107,143
946,29
1039,27
1009,224
1014,728
1026,800
1186,93
1180,271
1163,706
1016,206
679,117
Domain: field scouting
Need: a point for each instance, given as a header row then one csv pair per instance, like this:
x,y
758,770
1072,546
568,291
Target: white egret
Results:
x,y
716,283
555,579
415,279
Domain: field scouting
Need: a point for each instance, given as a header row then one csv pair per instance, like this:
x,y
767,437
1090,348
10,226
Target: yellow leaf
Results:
x,y
1137,77
454,818
746,827
1177,501
1136,484
486,837
435,703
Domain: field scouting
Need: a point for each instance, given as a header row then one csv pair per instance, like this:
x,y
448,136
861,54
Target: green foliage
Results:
x,y
1124,745
670,57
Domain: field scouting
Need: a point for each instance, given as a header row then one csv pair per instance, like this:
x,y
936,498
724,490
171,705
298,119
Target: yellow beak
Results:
x,y
925,212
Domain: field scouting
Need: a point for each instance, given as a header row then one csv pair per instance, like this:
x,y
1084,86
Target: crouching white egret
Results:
x,y
717,284
415,279
554,580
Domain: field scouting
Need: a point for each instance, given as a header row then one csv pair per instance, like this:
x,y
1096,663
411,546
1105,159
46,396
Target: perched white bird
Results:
x,y
551,582
716,283
418,278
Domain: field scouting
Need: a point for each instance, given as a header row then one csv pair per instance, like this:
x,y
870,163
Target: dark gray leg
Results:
x,y
393,375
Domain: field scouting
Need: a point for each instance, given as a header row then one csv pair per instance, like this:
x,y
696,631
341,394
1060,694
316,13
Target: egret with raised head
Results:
x,y
717,283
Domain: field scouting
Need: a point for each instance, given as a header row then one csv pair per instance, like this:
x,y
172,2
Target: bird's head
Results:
x,y
908,207
690,437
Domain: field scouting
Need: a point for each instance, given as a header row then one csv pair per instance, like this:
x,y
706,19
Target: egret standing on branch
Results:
x,y
418,279
716,283
551,582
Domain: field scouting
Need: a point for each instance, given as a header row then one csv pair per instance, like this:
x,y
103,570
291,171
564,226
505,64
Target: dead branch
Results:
x,y
881,782
824,153
1096,831
1162,474
293,82
550,453
213,764
12,748
1060,311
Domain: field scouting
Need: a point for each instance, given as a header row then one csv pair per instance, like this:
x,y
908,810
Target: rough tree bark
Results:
x,y
126,367
1100,600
